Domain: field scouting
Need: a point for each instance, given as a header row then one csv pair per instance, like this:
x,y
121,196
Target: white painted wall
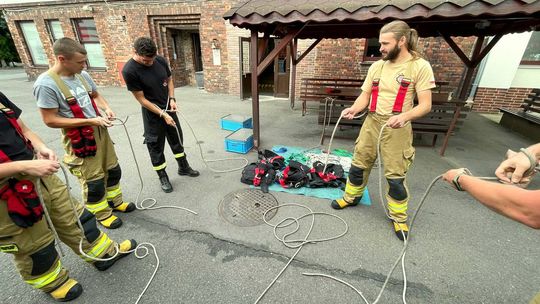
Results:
x,y
502,69
527,76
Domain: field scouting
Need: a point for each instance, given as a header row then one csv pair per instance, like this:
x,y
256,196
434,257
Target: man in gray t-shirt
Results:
x,y
90,154
49,95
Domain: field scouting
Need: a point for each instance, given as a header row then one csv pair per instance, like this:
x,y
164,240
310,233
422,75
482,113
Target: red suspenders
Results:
x,y
82,139
400,97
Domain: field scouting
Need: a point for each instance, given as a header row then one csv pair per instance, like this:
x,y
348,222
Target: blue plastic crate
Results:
x,y
240,141
233,122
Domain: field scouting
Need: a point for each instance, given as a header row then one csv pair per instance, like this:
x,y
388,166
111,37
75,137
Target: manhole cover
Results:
x,y
246,207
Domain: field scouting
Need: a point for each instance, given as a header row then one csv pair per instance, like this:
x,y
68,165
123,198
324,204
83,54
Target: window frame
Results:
x,y
26,45
77,30
52,36
365,58
530,62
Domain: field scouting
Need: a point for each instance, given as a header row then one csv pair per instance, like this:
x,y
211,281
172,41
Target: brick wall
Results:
x,y
488,100
119,24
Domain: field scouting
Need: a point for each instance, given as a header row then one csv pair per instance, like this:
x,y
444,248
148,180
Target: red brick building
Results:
x,y
195,39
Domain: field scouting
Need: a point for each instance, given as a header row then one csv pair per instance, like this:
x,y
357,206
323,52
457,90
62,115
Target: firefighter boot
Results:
x,y
185,169
164,180
68,291
124,207
124,249
401,230
112,222
342,203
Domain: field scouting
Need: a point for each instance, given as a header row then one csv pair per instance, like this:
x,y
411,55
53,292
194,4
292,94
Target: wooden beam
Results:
x,y
255,89
306,52
273,54
457,50
263,46
487,49
292,77
469,71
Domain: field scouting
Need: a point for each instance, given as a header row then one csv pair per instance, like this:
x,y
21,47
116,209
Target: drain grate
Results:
x,y
246,207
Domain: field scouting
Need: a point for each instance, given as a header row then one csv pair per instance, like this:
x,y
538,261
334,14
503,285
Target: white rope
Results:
x,y
296,243
206,161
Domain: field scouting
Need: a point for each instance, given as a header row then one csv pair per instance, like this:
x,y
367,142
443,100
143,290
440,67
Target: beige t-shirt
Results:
x,y
390,74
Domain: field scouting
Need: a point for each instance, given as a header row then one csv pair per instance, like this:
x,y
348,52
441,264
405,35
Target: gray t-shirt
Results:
x,y
49,96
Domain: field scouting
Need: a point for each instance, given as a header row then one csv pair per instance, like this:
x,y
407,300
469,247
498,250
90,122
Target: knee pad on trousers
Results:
x,y
114,176
88,221
356,175
43,259
397,189
96,190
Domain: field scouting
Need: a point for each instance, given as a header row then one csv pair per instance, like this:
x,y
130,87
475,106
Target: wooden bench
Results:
x,y
445,118
526,119
316,89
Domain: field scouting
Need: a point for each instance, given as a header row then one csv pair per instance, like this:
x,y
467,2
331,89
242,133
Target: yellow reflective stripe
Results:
x,y
95,208
354,190
160,167
96,251
112,193
179,155
45,280
395,207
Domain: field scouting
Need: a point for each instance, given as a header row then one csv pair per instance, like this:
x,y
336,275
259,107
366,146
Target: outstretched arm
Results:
x,y
513,202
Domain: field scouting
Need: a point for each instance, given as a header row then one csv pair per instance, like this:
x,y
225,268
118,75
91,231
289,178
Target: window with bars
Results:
x,y
33,43
88,37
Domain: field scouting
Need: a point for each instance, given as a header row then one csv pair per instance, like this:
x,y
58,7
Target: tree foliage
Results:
x,y
8,52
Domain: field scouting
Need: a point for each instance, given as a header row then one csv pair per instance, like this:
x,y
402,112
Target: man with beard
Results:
x,y
389,90
149,78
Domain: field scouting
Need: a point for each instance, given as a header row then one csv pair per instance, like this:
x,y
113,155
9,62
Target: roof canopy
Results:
x,y
363,19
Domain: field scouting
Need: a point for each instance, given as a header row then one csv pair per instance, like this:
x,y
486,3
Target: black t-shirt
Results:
x,y
151,80
11,143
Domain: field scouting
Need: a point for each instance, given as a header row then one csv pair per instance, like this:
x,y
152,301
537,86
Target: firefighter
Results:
x,y
389,90
27,170
68,99
149,79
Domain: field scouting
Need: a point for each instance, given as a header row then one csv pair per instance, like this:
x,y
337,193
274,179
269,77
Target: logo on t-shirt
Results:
x,y
82,97
164,83
400,77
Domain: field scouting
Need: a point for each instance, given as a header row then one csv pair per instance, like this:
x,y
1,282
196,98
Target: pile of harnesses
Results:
x,y
272,168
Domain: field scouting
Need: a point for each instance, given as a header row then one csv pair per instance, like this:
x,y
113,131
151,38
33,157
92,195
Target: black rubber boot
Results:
x,y
185,169
164,180
124,247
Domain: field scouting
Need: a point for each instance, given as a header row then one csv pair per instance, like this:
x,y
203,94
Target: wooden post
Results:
x,y
255,88
292,79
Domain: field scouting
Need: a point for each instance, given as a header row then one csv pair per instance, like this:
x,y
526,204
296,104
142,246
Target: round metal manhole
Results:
x,y
246,207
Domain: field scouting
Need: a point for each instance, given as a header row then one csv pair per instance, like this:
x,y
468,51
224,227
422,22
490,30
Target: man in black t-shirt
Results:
x,y
27,171
149,79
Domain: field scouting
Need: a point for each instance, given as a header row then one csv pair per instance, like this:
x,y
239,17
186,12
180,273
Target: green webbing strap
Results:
x,y
61,85
84,82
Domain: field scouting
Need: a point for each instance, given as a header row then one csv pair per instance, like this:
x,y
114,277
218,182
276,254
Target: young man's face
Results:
x,y
144,60
390,46
73,64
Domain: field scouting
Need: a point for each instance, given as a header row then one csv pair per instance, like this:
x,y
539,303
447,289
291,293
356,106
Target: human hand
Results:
x,y
42,167
513,169
348,113
46,153
451,174
110,114
172,104
169,120
397,121
101,121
